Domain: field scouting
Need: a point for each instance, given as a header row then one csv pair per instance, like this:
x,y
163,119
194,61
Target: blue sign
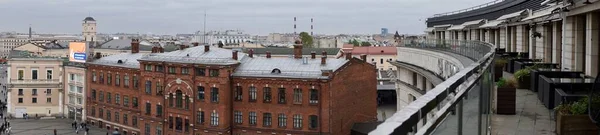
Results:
x,y
80,56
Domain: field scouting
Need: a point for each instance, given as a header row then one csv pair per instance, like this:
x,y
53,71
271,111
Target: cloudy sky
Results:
x,y
251,16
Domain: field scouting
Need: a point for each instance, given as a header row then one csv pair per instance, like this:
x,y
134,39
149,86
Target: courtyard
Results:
x,y
47,126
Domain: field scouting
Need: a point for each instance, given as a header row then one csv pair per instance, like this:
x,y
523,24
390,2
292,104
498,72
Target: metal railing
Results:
x,y
467,9
33,81
466,93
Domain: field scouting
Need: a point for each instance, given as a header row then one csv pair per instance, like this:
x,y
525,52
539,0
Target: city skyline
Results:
x,y
186,16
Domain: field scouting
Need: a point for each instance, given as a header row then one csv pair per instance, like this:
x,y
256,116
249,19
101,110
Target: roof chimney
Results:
x,y
98,55
155,49
206,48
268,54
349,55
161,50
363,57
195,44
324,58
298,50
313,55
181,47
234,55
135,45
251,53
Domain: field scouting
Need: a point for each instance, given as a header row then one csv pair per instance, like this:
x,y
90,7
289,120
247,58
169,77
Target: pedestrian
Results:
x,y
55,131
87,130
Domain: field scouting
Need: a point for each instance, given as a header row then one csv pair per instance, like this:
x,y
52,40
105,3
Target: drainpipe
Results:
x,y
231,122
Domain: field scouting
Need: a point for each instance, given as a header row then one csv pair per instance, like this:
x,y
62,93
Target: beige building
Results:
x,y
74,86
378,55
34,84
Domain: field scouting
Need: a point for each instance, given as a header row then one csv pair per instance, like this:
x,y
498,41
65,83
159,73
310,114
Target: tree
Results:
x,y
365,43
355,43
307,40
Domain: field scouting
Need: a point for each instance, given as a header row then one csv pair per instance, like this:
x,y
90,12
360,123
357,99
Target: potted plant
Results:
x,y
506,96
498,68
572,118
523,78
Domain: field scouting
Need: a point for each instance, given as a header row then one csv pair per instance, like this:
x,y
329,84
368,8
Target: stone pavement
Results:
x,y
46,127
532,117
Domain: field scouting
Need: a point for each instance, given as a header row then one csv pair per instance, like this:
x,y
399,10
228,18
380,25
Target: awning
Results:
x,y
430,29
442,27
543,12
512,15
457,27
469,23
491,24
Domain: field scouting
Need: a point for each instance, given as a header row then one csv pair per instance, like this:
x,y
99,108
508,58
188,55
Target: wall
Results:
x,y
77,81
429,60
42,107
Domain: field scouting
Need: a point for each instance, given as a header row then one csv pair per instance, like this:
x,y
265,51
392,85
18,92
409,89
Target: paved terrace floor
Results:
x,y
531,118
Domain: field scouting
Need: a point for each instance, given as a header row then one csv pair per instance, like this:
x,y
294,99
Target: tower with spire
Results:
x,y
89,29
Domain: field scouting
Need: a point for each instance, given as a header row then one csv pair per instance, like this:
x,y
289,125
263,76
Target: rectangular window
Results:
x,y
314,122
267,119
200,71
116,116
34,74
108,97
125,119
297,96
93,94
267,94
159,130
108,115
200,117
171,70
72,78
214,119
187,125
71,99
148,108
147,127
20,100
117,79
252,118
414,77
185,70
79,100
159,110
238,93
297,121
101,96
148,87
237,117
171,122
34,92
126,81
93,76
160,68
93,112
134,121
49,74
214,94
125,101
148,68
79,89
21,72
135,82
252,94
108,78
48,100
178,124
213,72
281,94
159,90
200,93
101,79
117,99
72,88
101,113
20,92
282,119
33,100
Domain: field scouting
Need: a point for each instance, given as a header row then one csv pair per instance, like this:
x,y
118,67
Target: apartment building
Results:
x,y
210,90
34,85
74,86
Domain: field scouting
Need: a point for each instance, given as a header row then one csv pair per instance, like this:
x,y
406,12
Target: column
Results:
x,y
506,38
539,42
547,35
498,37
568,43
519,40
557,42
60,102
579,48
592,37
514,39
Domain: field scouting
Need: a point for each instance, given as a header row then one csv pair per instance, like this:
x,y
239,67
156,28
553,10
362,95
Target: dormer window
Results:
x,y
276,71
120,61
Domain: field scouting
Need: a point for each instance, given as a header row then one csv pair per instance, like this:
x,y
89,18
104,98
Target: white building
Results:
x,y
89,29
228,37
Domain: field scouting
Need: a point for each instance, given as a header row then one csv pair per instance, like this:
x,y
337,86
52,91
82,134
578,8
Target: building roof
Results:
x,y
124,44
196,55
89,19
18,54
288,67
127,60
290,51
387,50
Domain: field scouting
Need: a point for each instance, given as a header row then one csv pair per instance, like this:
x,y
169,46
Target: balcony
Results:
x,y
35,81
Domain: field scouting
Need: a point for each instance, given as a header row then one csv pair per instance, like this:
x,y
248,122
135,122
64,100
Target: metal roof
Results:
x,y
289,67
196,55
493,23
290,51
513,15
128,60
457,27
543,12
89,19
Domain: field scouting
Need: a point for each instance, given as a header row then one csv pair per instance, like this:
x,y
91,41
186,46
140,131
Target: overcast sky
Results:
x,y
252,16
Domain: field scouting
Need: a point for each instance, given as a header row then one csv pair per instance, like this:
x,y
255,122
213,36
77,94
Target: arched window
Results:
x,y
170,99
179,99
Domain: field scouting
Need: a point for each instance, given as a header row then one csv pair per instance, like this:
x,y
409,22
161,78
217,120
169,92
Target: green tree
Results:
x,y
355,43
364,43
307,40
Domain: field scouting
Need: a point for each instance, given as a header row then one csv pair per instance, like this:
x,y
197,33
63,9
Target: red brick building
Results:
x,y
209,90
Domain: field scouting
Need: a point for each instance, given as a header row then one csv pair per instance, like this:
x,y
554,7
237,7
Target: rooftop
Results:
x,y
387,50
290,51
89,19
288,67
197,55
127,60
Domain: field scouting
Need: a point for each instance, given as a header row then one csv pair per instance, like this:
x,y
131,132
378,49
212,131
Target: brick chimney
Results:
x,y
363,57
181,47
313,55
135,45
234,55
161,49
324,58
195,44
251,53
268,54
298,51
155,49
349,55
206,48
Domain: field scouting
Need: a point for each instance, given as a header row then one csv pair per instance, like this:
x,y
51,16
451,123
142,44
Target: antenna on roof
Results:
x,y
204,35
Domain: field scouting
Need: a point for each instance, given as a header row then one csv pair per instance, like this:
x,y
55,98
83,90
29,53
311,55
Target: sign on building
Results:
x,y
77,52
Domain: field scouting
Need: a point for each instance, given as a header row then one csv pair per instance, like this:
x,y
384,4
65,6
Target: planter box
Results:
x,y
498,73
506,101
525,82
575,125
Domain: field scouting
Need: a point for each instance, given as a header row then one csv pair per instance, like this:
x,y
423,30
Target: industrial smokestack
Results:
x,y
311,26
294,25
